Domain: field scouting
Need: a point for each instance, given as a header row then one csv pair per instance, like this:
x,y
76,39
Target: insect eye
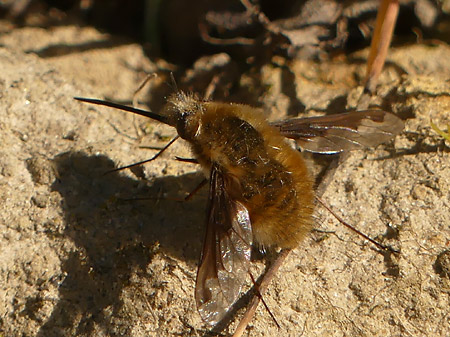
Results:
x,y
187,125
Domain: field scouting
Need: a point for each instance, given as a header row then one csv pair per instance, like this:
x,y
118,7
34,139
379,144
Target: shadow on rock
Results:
x,y
115,238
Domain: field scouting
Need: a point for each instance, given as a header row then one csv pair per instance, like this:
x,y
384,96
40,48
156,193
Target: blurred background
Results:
x,y
181,31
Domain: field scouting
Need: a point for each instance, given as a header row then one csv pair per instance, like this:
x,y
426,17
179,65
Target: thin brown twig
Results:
x,y
384,28
223,42
212,86
141,86
260,16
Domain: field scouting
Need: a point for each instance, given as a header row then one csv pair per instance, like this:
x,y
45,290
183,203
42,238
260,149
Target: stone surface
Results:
x,y
77,257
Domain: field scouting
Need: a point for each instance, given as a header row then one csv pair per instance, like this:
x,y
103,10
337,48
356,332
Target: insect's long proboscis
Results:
x,y
145,113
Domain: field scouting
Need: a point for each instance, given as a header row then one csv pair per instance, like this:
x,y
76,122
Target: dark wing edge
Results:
x,y
341,132
226,252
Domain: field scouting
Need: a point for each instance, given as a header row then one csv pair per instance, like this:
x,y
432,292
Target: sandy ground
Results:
x,y
77,259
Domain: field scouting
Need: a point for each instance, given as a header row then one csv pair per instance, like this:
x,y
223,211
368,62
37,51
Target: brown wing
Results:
x,y
226,251
341,132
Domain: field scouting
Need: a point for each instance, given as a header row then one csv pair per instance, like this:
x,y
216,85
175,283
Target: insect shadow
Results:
x,y
115,238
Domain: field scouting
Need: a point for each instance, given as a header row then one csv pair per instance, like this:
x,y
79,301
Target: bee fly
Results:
x,y
260,191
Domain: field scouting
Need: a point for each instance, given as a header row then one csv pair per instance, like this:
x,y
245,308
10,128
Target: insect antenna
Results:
x,y
343,222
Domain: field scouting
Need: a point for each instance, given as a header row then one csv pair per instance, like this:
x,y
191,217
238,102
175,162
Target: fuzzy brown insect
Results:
x,y
260,191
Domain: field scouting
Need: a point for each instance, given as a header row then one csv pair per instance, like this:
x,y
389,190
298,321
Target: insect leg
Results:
x,y
187,160
265,282
379,245
191,194
258,293
147,160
